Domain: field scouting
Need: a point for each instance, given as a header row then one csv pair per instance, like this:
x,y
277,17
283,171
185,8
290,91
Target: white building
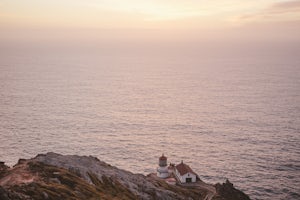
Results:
x,y
162,169
184,173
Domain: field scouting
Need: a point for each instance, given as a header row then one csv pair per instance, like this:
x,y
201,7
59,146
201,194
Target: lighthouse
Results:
x,y
162,169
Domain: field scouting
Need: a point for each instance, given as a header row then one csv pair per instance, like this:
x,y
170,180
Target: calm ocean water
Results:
x,y
235,118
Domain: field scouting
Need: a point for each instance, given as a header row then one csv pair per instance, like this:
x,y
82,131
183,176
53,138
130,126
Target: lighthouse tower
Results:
x,y
162,169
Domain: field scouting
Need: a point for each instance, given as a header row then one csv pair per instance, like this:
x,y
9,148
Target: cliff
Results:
x,y
55,176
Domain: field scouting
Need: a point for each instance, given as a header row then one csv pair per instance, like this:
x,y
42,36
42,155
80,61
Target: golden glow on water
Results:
x,y
226,116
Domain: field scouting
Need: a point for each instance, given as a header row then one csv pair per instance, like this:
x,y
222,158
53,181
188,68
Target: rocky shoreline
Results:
x,y
55,176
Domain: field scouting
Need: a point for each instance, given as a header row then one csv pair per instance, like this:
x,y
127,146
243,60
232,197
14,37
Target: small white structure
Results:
x,y
162,169
184,173
171,168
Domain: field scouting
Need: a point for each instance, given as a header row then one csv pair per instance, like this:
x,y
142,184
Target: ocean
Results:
x,y
228,117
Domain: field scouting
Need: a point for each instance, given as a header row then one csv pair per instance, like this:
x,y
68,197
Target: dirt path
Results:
x,y
17,175
210,188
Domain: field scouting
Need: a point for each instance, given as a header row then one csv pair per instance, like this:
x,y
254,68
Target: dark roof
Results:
x,y
184,168
171,167
163,157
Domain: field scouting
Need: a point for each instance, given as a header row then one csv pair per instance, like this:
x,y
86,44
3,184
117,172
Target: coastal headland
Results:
x,y
55,176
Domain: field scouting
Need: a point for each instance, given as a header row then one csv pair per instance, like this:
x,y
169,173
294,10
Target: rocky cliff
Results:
x,y
55,176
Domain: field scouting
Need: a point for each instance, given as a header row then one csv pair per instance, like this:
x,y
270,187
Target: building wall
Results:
x,y
162,172
187,175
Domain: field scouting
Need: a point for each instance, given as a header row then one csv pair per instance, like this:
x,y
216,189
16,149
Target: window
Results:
x,y
188,180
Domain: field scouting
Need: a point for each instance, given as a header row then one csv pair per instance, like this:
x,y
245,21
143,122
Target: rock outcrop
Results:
x,y
227,191
55,176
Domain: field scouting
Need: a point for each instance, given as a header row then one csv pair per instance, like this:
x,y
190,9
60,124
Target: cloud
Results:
x,y
280,11
286,4
284,7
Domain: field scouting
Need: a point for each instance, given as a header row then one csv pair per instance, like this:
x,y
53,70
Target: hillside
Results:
x,y
55,176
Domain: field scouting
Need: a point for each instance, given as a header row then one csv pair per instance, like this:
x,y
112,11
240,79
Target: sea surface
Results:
x,y
235,117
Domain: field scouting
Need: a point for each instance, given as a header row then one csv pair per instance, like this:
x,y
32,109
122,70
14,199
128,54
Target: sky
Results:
x,y
150,19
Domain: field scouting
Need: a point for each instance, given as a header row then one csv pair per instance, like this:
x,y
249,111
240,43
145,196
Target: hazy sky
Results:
x,y
155,18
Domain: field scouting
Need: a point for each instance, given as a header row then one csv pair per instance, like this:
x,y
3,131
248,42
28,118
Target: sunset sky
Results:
x,y
140,17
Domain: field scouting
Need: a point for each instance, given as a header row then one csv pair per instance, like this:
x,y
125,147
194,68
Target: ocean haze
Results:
x,y
229,111
213,83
